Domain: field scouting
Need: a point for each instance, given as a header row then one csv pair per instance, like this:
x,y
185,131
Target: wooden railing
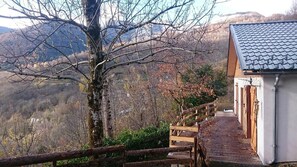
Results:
x,y
187,124
60,156
179,135
119,158
185,129
159,151
194,115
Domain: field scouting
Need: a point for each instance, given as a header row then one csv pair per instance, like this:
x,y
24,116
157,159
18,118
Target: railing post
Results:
x,y
184,117
191,164
195,152
54,163
196,117
124,158
170,134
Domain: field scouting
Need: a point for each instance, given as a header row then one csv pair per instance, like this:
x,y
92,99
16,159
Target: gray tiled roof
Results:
x,y
266,46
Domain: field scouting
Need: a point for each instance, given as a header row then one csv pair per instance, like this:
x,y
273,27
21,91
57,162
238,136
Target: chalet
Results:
x,y
262,59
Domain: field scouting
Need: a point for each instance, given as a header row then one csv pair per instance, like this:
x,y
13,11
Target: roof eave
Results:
x,y
237,48
269,72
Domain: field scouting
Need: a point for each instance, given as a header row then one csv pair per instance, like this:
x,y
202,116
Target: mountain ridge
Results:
x,y
5,29
70,39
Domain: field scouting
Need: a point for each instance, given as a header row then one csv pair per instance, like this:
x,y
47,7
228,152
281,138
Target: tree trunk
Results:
x,y
95,85
95,121
155,107
107,111
153,98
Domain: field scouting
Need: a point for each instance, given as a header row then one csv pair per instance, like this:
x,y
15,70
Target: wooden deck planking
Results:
x,y
225,142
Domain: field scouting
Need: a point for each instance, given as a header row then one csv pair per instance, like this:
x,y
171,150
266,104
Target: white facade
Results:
x,y
286,109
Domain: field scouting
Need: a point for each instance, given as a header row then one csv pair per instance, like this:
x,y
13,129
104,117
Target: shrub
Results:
x,y
216,81
149,137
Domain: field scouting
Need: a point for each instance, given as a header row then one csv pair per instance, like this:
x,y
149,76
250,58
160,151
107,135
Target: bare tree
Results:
x,y
118,33
292,13
18,136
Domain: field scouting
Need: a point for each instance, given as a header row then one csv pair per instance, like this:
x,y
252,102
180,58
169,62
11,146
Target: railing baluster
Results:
x,y
195,152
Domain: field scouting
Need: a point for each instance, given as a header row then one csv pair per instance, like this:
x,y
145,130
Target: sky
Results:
x,y
264,7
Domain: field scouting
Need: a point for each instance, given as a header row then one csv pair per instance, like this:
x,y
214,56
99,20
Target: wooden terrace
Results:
x,y
220,141
225,143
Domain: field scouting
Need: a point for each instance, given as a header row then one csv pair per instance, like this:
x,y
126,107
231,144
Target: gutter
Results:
x,y
276,85
269,72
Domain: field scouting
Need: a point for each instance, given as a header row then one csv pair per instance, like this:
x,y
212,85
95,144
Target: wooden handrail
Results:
x,y
190,113
185,128
155,151
158,162
52,157
190,110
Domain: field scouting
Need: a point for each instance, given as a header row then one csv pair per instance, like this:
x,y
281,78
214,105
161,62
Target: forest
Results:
x,y
69,83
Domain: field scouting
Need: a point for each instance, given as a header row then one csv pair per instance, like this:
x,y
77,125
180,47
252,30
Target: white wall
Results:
x,y
267,120
286,108
258,82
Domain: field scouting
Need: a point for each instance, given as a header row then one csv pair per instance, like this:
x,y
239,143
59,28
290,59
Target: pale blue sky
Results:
x,y
264,7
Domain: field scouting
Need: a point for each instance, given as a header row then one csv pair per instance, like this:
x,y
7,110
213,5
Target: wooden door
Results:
x,y
236,99
244,106
248,111
254,113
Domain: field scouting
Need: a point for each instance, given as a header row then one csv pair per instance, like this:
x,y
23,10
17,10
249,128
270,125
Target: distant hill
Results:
x,y
218,32
69,39
4,29
66,40
245,14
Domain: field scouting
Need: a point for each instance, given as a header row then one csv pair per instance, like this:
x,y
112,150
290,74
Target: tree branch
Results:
x,y
45,76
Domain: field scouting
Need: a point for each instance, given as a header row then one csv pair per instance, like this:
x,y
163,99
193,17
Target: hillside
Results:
x,y
26,98
67,40
54,41
5,29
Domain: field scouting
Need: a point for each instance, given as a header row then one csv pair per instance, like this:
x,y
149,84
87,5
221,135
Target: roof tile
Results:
x,y
262,62
271,66
289,66
280,67
266,46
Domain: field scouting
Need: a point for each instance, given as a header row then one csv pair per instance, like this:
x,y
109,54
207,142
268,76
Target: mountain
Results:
x,y
69,39
5,29
52,41
243,14
248,17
